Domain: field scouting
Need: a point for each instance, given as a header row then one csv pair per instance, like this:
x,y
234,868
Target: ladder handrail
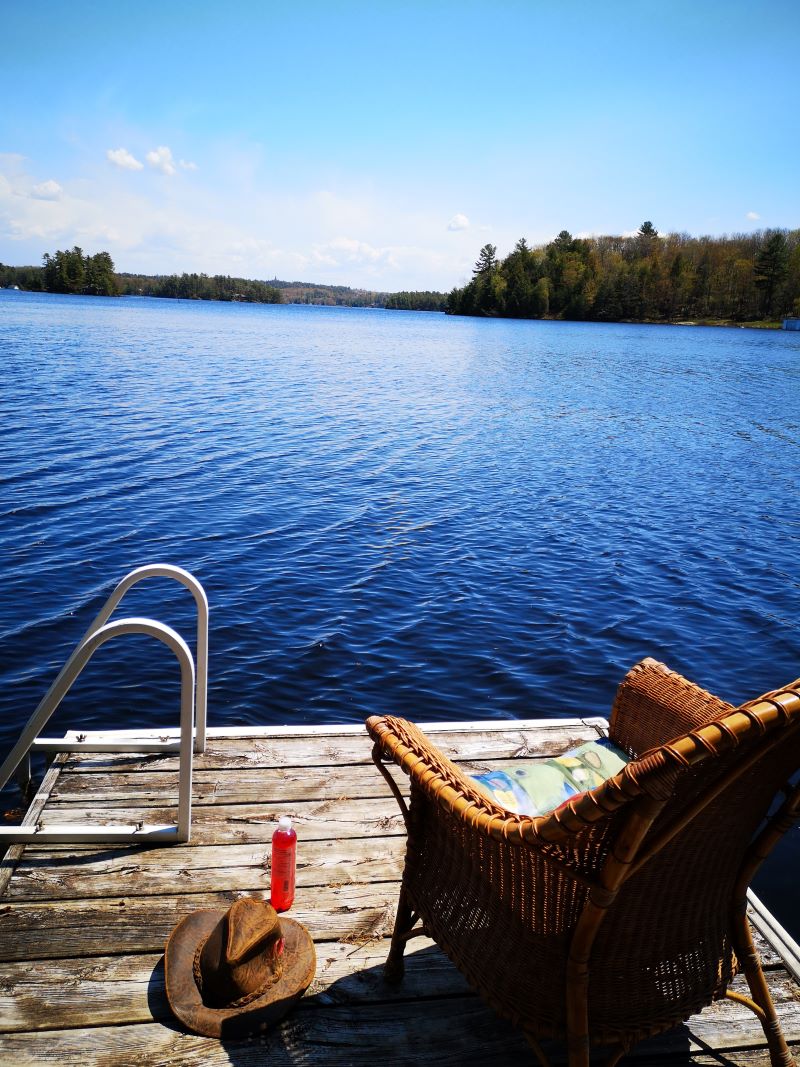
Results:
x,y
92,640
183,577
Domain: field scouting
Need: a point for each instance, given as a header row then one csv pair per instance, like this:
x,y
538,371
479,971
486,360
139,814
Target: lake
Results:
x,y
442,518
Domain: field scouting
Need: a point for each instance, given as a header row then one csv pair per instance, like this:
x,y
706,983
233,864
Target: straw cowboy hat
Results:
x,y
235,972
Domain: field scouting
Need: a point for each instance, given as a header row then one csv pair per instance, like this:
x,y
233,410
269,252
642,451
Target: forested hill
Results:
x,y
645,278
344,296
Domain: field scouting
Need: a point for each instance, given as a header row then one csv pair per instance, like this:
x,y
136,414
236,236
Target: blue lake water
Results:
x,y
438,517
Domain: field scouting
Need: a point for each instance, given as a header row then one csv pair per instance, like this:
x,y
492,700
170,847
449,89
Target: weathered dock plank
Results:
x,y
53,929
56,929
322,748
231,824
231,785
114,990
117,990
450,1030
86,872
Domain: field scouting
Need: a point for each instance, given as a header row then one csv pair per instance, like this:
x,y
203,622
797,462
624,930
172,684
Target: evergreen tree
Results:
x,y
100,279
519,272
771,267
487,260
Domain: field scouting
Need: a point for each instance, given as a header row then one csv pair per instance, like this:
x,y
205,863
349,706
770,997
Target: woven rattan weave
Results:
x,y
623,912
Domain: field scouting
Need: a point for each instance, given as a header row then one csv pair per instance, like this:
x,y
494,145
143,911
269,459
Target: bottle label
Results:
x,y
283,870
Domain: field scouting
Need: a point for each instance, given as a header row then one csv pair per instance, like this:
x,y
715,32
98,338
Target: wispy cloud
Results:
x,y
121,157
161,158
348,250
458,222
753,216
49,190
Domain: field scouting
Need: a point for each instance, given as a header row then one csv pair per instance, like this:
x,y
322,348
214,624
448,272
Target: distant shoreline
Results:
x,y
730,323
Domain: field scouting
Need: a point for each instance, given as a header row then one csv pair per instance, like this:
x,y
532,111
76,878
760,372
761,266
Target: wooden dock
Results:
x,y
82,928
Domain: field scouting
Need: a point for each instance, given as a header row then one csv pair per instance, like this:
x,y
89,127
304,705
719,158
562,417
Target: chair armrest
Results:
x,y
654,705
427,765
446,785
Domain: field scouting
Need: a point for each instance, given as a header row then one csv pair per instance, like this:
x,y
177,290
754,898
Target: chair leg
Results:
x,y
394,968
578,1051
615,1057
537,1048
779,1053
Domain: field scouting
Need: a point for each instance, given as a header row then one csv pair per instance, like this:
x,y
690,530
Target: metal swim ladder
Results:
x,y
191,735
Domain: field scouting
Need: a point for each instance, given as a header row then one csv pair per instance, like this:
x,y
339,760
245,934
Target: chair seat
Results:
x,y
537,786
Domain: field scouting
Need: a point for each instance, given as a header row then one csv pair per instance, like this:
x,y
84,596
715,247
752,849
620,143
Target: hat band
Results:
x,y
243,1000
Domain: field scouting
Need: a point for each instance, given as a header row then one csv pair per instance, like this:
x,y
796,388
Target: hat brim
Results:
x,y
299,966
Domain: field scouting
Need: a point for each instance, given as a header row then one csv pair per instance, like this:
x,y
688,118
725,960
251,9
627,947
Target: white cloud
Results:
x,y
753,216
161,159
49,190
121,157
348,251
187,165
458,222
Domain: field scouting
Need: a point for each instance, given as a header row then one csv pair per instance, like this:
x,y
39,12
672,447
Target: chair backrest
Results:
x,y
654,704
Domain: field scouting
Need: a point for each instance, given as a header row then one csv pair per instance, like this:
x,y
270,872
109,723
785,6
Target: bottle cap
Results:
x,y
285,823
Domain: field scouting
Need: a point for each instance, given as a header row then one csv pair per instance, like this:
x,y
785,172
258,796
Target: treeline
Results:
x,y
416,301
73,272
645,278
29,278
199,287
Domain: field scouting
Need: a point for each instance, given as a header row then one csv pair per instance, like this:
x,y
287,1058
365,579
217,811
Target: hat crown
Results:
x,y
241,957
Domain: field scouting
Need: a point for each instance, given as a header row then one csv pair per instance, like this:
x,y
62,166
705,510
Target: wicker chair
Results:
x,y
622,913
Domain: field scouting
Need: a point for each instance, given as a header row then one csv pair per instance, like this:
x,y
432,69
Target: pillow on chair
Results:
x,y
535,787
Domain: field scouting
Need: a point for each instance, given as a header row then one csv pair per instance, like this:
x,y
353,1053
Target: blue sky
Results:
x,y
382,144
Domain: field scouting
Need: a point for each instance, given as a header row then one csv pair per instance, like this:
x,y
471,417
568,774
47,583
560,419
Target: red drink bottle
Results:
x,y
284,856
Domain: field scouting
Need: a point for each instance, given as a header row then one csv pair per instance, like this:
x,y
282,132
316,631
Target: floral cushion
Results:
x,y
535,787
